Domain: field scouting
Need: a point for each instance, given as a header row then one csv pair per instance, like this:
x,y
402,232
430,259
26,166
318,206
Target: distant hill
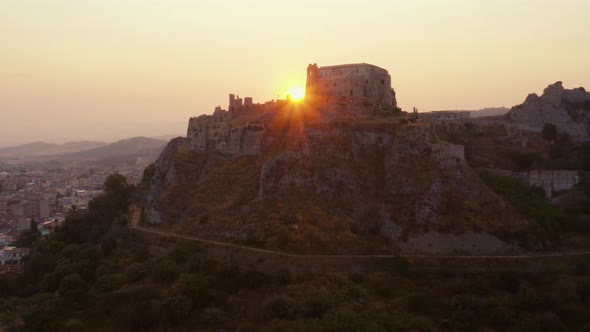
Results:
x,y
127,150
489,111
47,149
166,137
492,111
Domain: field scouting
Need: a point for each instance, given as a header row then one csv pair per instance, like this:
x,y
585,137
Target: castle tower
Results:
x,y
312,83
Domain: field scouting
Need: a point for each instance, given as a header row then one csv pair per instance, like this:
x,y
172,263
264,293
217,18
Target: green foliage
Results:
x,y
26,238
165,271
118,191
417,303
525,200
281,307
583,152
342,320
181,252
73,287
524,160
136,272
317,305
549,132
108,283
51,281
421,324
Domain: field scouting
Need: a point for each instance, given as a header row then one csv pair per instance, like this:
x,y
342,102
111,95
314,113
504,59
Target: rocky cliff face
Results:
x,y
347,186
567,109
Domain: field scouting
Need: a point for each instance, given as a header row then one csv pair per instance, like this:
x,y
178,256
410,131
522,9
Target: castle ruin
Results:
x,y
365,86
357,84
214,132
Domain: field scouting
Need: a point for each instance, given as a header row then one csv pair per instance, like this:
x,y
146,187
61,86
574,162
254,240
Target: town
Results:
x,y
41,198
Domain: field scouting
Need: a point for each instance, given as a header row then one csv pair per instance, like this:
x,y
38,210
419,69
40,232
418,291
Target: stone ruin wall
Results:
x,y
207,132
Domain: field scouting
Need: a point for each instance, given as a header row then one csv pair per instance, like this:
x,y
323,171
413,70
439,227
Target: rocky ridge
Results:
x,y
567,109
346,186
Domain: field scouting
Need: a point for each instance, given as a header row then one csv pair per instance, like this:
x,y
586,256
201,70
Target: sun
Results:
x,y
296,93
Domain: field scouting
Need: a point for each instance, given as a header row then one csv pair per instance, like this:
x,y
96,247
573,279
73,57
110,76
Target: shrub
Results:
x,y
416,303
283,277
525,200
51,281
136,272
501,318
178,308
549,132
281,307
253,278
181,252
421,324
73,287
108,283
165,271
316,306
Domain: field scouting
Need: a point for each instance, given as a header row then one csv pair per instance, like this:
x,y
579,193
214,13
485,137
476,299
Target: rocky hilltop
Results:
x,y
300,179
567,109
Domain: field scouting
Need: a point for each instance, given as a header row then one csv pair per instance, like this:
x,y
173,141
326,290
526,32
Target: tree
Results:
x,y
26,239
549,132
33,226
118,191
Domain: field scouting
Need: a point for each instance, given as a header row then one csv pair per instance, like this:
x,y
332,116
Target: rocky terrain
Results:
x,y
567,109
342,185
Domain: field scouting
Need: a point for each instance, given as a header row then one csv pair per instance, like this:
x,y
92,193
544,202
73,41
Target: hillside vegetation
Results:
x,y
93,274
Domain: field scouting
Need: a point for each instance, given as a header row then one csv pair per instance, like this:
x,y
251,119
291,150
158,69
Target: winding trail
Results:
x,y
336,256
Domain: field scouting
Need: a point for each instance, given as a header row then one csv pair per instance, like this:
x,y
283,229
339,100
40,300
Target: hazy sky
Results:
x,y
109,69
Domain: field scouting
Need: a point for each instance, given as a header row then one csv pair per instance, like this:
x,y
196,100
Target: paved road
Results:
x,y
278,253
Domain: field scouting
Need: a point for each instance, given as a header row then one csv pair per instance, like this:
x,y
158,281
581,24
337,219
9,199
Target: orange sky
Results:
x,y
109,69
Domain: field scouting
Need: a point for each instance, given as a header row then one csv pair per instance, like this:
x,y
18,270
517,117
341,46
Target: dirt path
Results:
x,y
283,254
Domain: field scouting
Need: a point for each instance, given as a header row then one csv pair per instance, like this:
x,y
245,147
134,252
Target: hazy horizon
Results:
x,y
107,69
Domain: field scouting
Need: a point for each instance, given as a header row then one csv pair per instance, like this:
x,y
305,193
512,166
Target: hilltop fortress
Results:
x,y
357,84
357,89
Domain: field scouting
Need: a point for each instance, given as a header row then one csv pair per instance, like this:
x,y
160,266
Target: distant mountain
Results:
x,y
489,111
47,149
128,150
166,137
492,111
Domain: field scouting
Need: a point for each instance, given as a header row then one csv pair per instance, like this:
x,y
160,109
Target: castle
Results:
x,y
357,84
364,86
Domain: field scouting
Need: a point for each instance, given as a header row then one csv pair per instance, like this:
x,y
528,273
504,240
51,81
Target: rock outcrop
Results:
x,y
567,109
344,186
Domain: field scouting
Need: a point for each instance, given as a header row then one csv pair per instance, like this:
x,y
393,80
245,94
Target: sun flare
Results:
x,y
296,93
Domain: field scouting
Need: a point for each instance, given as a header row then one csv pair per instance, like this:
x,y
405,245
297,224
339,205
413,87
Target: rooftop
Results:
x,y
350,65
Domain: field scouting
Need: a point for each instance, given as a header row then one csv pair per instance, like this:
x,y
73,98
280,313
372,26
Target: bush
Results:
x,y
281,307
417,303
181,252
73,286
316,306
165,271
501,318
136,272
421,324
108,283
549,132
525,200
51,281
253,278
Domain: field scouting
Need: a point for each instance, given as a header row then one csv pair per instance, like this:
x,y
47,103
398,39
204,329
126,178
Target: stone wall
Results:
x,y
212,132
